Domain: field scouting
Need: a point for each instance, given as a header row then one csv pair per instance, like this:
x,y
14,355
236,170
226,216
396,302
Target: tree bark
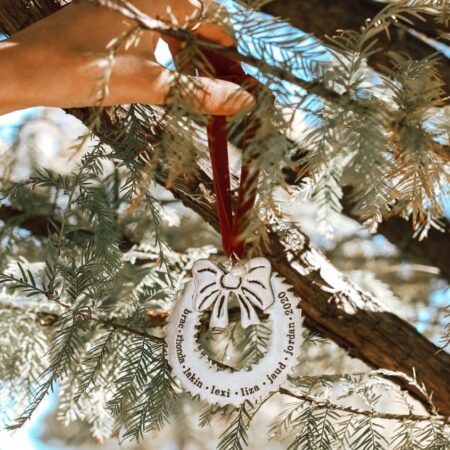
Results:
x,y
331,304
323,18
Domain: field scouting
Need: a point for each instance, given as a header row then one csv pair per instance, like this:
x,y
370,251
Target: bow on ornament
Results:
x,y
250,284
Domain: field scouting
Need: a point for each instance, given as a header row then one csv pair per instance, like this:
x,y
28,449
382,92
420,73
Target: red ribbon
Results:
x,y
232,225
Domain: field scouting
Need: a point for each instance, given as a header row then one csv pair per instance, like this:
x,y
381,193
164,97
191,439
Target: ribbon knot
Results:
x,y
249,283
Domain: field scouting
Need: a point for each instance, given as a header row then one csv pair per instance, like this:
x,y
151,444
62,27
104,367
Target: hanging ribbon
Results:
x,y
232,224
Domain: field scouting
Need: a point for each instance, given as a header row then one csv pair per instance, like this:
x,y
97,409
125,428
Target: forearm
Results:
x,y
60,60
11,70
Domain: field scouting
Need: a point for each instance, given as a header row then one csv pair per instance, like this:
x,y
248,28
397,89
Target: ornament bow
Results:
x,y
249,283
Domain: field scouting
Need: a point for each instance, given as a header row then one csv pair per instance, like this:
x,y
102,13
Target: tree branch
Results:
x,y
332,305
336,308
325,17
325,403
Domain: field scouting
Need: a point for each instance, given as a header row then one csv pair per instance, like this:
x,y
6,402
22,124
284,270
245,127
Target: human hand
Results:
x,y
59,61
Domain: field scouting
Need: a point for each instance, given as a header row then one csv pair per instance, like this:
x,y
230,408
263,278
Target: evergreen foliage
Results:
x,y
76,313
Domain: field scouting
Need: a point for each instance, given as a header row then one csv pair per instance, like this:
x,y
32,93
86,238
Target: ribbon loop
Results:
x,y
232,225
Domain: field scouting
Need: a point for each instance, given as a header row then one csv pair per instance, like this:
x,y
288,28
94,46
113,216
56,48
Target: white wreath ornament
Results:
x,y
254,285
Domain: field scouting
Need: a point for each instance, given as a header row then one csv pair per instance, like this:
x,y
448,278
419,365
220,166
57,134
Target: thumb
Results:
x,y
209,96
219,97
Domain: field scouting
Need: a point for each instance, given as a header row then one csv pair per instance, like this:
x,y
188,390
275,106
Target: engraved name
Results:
x,y
193,378
291,339
275,368
272,376
183,317
179,347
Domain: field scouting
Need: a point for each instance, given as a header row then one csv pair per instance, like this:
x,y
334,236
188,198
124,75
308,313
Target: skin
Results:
x,y
59,60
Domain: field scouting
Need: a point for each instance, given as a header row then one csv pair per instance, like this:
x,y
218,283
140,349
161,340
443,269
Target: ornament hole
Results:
x,y
234,347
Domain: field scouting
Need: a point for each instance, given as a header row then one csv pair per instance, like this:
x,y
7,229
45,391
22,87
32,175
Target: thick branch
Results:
x,y
332,305
352,318
433,250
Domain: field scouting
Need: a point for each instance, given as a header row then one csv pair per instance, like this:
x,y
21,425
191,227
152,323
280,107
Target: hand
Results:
x,y
59,61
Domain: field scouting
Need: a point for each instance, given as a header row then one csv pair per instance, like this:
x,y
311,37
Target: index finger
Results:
x,y
215,26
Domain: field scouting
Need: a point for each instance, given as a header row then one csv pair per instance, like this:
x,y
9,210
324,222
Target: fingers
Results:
x,y
217,26
209,95
210,29
205,95
134,80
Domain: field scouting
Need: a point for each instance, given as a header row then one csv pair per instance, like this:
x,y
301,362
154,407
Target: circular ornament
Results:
x,y
254,285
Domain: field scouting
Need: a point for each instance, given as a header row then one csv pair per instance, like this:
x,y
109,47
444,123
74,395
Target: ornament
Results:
x,y
255,286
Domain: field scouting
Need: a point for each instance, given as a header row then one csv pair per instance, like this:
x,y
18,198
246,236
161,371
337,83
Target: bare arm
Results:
x,y
59,60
